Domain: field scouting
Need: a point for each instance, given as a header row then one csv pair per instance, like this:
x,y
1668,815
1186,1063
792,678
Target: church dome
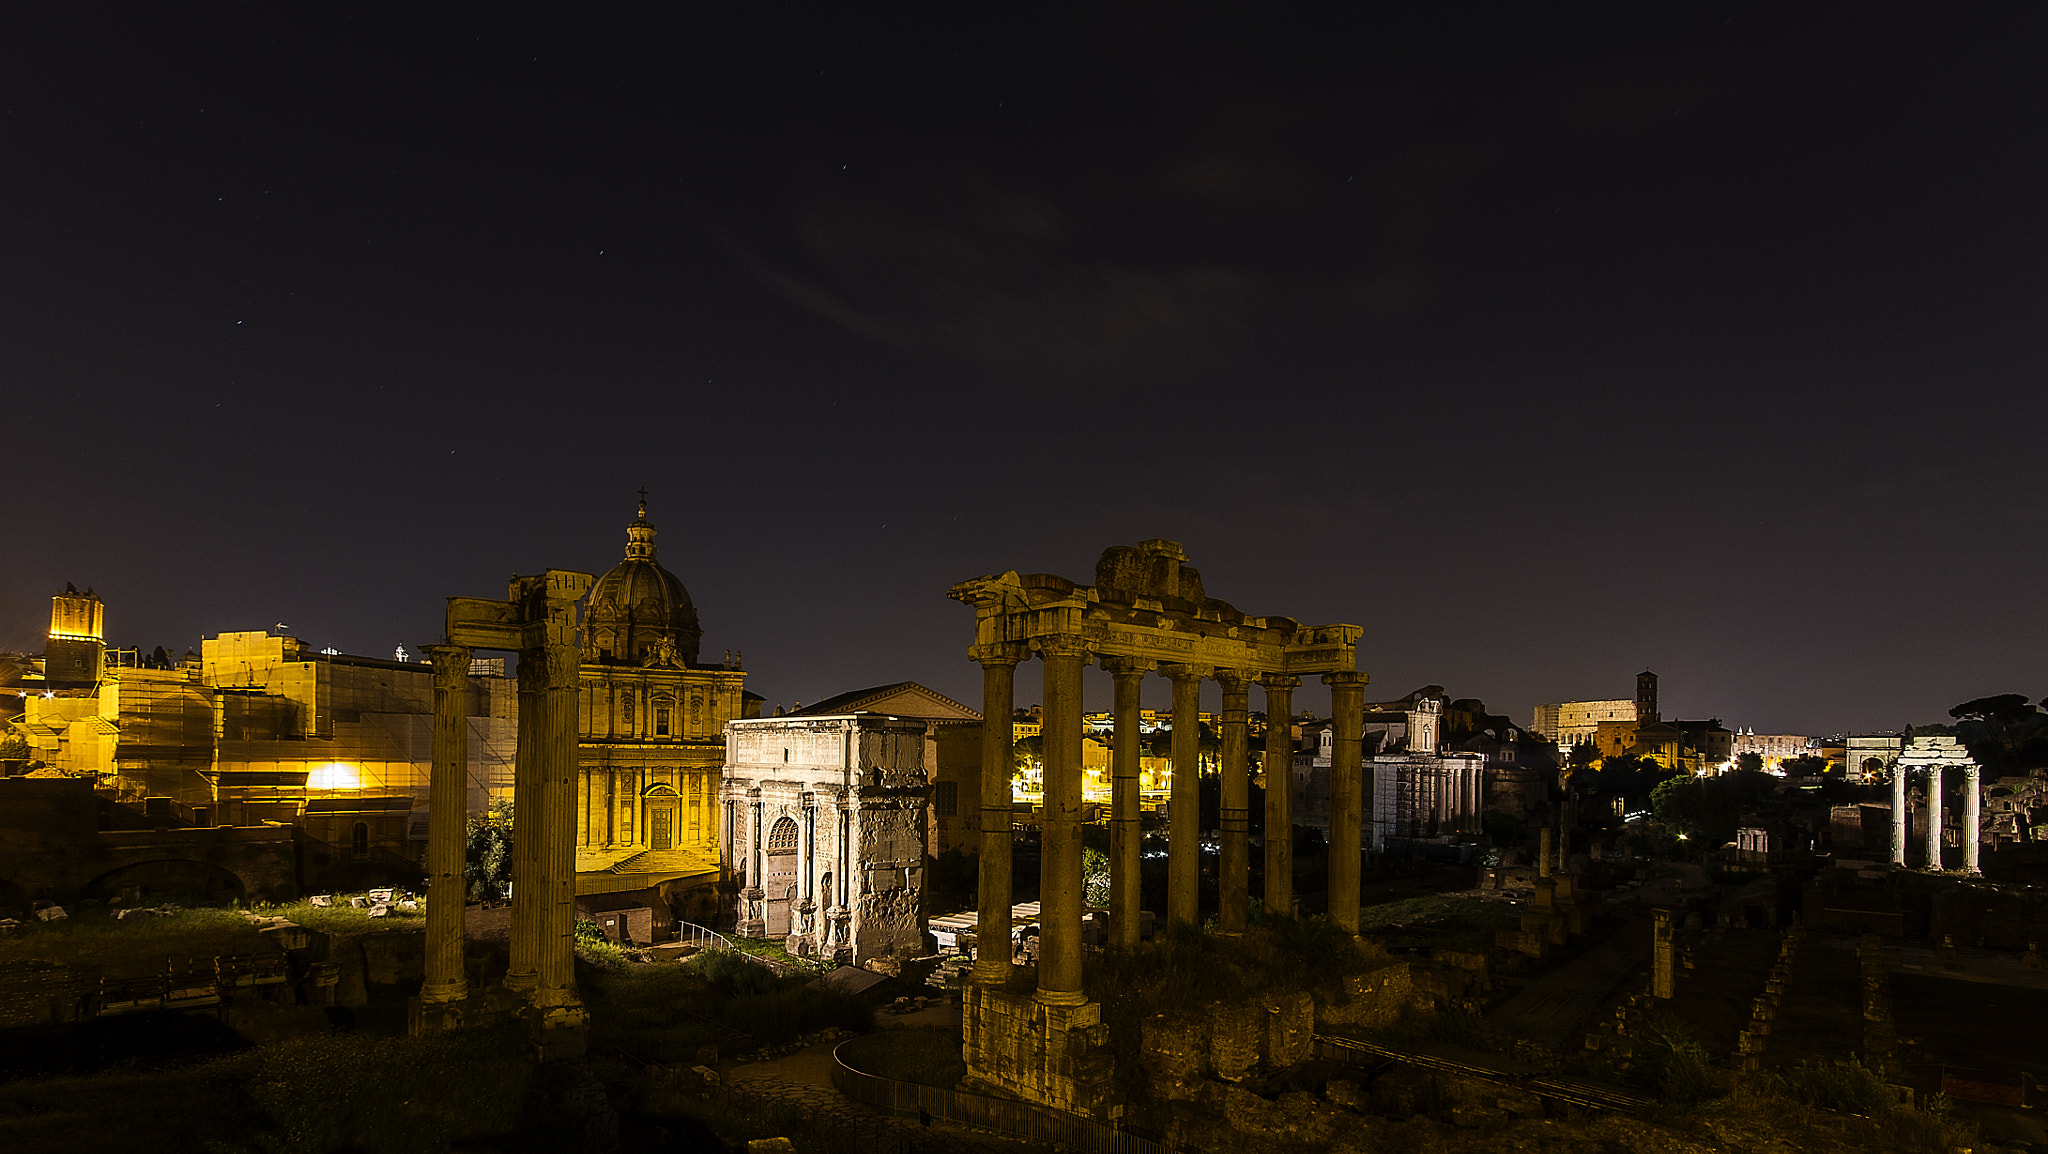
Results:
x,y
638,605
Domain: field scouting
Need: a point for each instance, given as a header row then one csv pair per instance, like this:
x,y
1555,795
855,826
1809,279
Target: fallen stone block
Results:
x,y
320,901
52,914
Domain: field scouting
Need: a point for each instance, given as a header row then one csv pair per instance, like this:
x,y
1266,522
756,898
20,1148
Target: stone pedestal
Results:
x,y
1056,1055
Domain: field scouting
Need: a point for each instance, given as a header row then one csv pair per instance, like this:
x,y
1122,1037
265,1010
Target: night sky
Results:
x,y
1548,344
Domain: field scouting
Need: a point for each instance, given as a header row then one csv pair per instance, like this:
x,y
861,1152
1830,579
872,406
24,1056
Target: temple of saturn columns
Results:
x,y
538,621
1932,755
1146,612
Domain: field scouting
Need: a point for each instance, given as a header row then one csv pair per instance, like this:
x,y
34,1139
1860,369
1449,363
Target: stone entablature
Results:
x,y
827,832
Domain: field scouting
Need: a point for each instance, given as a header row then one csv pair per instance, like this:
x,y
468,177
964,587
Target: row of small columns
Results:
x,y
1972,815
1059,947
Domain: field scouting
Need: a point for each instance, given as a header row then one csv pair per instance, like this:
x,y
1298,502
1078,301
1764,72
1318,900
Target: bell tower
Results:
x,y
76,650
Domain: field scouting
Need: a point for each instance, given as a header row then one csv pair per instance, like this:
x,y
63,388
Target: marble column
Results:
x,y
1934,817
522,975
1348,806
560,1023
1184,829
447,813
1279,765
1544,852
1059,873
1899,826
1972,814
1125,830
1233,865
998,762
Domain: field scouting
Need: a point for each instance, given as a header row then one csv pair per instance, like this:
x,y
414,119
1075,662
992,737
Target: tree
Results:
x,y
1094,879
1030,752
1707,810
487,853
1751,762
1809,765
1995,728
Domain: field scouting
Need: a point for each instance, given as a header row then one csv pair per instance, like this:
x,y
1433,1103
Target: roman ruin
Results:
x,y
1147,611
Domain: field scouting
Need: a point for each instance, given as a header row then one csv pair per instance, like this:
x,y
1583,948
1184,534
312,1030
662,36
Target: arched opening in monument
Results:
x,y
1873,767
778,876
359,840
156,881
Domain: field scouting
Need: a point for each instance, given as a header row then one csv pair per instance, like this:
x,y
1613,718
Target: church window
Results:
x,y
661,721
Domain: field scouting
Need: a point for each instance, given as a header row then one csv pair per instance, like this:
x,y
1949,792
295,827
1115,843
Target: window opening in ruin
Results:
x,y
946,799
359,840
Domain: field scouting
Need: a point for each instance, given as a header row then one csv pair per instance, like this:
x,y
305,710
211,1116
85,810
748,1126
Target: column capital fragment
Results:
x,y
1346,677
998,653
1119,666
1179,671
1234,681
1279,681
1062,645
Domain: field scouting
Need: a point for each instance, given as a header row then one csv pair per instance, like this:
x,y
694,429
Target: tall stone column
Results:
x,y
1280,793
1972,814
1899,816
1233,866
1934,816
447,811
1348,806
998,760
1059,874
1125,830
522,975
560,1021
1184,833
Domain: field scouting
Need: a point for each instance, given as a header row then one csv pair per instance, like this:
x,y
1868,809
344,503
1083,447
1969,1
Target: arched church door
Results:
x,y
778,876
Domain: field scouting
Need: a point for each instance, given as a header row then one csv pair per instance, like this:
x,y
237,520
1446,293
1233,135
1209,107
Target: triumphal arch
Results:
x,y
1147,612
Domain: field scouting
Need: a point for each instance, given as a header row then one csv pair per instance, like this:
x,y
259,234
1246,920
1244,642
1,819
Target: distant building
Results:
x,y
1774,748
1569,723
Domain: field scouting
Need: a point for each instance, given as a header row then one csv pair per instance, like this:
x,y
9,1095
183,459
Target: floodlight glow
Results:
x,y
334,775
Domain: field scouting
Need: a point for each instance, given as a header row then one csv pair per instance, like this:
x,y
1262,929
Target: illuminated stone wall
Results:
x,y
828,832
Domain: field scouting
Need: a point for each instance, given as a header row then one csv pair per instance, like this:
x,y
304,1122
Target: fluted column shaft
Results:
x,y
1934,817
1347,802
1125,831
998,760
1059,880
522,975
558,810
1972,814
447,811
1184,831
1233,864
1899,816
1280,794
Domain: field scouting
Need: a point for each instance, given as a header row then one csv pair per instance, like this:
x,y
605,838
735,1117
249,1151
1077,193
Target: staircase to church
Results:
x,y
629,865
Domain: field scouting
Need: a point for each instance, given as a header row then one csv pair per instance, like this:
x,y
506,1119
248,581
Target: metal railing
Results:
x,y
702,937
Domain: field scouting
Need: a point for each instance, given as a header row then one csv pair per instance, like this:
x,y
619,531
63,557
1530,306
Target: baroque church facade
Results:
x,y
652,726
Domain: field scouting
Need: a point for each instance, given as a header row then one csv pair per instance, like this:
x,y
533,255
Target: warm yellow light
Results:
x,y
334,775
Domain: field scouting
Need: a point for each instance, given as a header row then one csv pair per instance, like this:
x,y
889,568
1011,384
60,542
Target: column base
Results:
x,y
424,1016
1055,1055
524,984
558,1033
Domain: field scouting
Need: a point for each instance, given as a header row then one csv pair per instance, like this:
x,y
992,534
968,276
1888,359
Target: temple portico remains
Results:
x,y
1930,756
1147,612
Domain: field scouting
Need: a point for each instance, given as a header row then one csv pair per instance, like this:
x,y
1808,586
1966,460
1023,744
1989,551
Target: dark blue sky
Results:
x,y
1548,346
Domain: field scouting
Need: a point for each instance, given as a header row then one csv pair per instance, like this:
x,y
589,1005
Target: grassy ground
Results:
x,y
139,945
1438,920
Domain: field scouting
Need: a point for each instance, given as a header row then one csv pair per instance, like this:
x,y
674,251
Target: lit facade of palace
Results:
x,y
258,727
